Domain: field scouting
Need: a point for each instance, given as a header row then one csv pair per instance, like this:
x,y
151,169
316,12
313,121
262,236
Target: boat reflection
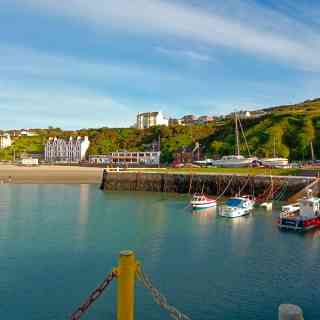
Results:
x,y
204,214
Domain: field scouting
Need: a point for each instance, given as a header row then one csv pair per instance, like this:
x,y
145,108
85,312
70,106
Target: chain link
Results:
x,y
93,296
159,298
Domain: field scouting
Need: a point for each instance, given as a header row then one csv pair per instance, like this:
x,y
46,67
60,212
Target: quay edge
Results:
x,y
211,184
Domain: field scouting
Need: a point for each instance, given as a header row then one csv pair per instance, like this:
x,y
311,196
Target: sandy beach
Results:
x,y
49,174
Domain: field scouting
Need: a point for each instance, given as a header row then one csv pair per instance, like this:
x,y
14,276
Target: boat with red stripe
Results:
x,y
201,201
302,216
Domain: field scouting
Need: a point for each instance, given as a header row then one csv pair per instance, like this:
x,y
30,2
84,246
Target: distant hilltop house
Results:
x,y
150,119
28,133
191,119
71,150
5,141
248,114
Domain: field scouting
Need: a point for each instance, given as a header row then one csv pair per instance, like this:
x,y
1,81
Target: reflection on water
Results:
x,y
58,237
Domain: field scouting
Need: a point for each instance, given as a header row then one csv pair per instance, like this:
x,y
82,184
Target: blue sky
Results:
x,y
79,63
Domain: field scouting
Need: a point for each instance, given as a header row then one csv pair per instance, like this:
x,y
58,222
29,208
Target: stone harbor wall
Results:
x,y
211,184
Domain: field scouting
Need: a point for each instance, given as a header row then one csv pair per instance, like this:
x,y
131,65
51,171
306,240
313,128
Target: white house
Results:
x,y
5,141
150,119
72,150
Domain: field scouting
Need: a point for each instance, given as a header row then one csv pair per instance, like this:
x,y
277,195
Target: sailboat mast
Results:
x,y
312,151
237,133
274,147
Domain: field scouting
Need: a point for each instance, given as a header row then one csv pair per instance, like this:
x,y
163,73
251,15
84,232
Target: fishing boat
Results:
x,y
301,216
237,160
237,207
201,201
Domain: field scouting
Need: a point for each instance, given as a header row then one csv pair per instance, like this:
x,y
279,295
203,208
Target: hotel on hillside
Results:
x,y
71,150
151,119
5,141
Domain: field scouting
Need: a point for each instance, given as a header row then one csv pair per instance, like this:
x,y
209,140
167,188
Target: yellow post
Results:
x,y
125,285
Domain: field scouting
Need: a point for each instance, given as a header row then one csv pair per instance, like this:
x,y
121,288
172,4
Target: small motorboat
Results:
x,y
301,216
237,207
201,201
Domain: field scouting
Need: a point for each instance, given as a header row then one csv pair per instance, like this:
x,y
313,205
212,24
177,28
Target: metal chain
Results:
x,y
93,296
159,298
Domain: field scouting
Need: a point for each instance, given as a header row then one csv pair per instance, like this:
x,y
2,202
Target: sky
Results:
x,y
86,64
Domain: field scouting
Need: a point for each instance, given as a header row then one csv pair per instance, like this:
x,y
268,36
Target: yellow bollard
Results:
x,y
125,281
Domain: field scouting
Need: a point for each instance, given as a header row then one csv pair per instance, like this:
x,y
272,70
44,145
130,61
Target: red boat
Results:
x,y
305,216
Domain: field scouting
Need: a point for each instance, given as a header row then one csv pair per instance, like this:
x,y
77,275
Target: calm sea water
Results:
x,y
58,241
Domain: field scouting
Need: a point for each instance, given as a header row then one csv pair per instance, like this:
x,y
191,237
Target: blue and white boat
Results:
x,y
237,207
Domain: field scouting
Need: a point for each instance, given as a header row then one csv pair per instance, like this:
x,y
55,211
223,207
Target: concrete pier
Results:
x,y
211,184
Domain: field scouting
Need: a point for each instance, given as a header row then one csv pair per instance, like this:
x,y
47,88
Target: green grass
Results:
x,y
244,171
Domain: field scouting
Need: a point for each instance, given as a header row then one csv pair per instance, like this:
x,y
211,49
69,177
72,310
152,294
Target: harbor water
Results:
x,y
57,242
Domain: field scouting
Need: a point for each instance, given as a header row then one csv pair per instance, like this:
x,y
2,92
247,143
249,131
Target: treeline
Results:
x,y
288,134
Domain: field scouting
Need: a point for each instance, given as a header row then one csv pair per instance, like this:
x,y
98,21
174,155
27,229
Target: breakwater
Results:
x,y
211,184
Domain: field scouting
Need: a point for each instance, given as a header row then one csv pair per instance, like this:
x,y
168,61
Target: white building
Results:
x,y
5,141
72,150
28,133
134,158
244,114
150,119
100,159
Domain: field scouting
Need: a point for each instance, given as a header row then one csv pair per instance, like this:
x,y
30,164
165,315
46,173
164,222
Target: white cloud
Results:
x,y
39,64
188,54
64,107
269,38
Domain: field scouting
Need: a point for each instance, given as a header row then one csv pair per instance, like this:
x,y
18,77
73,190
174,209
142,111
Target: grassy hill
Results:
x,y
290,128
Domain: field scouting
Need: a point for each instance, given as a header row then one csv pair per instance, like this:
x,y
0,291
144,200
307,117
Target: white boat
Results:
x,y
290,209
237,207
234,161
237,160
200,201
301,216
275,162
267,205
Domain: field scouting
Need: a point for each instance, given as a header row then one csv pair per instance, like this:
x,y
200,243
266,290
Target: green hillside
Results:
x,y
290,128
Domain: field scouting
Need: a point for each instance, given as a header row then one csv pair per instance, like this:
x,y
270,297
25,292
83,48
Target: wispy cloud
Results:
x,y
64,107
187,54
300,50
37,63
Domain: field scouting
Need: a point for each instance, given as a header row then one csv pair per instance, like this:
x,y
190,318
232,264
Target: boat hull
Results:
x,y
275,162
203,205
298,224
233,163
227,212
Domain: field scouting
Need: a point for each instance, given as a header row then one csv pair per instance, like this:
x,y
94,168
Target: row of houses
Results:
x,y
149,119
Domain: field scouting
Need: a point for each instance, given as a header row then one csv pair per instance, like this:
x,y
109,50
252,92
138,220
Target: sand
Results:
x,y
49,174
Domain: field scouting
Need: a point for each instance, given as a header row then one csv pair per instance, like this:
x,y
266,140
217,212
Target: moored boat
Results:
x,y
275,162
234,161
301,216
237,207
201,201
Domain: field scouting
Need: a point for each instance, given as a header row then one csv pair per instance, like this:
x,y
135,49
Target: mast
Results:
x,y
274,147
237,133
312,151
